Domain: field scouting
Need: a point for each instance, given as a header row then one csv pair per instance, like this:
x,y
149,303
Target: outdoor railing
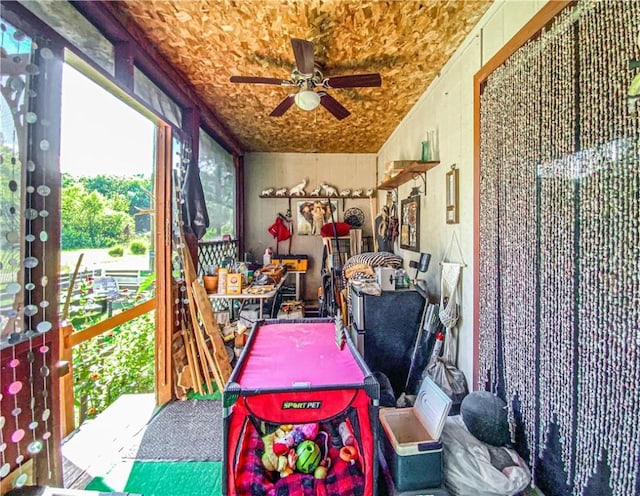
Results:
x,y
210,253
83,305
69,339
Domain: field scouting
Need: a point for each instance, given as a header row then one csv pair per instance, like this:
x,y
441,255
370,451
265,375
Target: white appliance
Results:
x,y
386,278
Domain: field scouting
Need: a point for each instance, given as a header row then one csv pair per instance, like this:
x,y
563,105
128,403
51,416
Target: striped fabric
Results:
x,y
362,268
365,263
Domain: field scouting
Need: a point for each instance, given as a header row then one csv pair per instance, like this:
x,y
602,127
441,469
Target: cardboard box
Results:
x,y
234,283
292,262
411,439
240,339
291,310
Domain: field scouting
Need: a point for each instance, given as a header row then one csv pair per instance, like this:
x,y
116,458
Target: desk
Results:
x,y
247,295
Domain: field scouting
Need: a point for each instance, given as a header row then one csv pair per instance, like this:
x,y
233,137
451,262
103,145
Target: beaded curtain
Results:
x,y
560,249
29,74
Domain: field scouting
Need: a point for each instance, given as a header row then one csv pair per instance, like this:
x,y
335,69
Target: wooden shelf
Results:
x,y
320,198
410,170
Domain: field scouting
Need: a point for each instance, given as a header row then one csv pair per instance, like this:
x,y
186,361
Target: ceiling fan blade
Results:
x,y
303,52
333,106
259,80
354,81
282,107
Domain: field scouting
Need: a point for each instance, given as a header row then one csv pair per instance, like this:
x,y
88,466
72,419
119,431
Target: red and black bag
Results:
x,y
281,230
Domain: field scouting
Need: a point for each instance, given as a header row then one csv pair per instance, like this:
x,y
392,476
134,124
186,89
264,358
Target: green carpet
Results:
x,y
162,479
216,395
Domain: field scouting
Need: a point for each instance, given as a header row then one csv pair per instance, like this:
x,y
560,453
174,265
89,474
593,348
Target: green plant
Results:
x,y
137,248
147,284
116,251
118,362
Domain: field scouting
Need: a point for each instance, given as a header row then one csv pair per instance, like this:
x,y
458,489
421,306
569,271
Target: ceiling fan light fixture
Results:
x,y
307,99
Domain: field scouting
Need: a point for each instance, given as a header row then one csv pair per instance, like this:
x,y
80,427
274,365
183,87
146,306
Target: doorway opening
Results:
x,y
107,253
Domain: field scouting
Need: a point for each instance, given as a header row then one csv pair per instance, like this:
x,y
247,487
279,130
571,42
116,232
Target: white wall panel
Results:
x,y
263,170
447,107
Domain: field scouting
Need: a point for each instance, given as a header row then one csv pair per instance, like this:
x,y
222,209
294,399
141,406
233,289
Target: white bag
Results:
x,y
467,465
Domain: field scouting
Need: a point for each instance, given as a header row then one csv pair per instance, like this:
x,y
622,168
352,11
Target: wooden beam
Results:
x,y
165,321
238,162
65,386
529,31
123,53
91,332
26,468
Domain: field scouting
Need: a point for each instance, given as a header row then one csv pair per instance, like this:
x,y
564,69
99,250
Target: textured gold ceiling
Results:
x,y
208,41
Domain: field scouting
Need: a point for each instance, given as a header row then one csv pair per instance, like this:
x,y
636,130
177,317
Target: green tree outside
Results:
x,y
100,211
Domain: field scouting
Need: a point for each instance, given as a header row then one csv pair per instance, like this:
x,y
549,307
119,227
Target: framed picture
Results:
x,y
410,225
452,196
313,214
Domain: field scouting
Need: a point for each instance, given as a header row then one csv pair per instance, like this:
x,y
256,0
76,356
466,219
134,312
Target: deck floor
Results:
x,y
102,443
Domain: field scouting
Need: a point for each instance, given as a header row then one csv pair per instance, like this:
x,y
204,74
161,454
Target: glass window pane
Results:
x,y
156,98
218,177
71,25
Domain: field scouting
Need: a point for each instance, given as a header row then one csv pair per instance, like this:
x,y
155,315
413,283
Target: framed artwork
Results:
x,y
313,214
410,225
452,196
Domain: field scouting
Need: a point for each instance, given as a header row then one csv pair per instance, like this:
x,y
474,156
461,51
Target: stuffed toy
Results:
x,y
295,436
269,458
280,453
283,464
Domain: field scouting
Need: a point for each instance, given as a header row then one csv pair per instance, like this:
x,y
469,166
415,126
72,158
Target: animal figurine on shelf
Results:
x,y
298,189
345,193
316,191
329,190
267,192
370,192
356,193
281,192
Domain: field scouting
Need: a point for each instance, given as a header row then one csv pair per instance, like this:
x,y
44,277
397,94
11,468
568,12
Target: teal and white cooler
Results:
x,y
411,440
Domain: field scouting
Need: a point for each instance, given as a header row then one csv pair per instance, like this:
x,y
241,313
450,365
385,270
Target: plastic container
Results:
x,y
411,440
292,262
391,487
266,258
222,280
346,434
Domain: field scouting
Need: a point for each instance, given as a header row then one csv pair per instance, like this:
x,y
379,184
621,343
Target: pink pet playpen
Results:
x,y
300,414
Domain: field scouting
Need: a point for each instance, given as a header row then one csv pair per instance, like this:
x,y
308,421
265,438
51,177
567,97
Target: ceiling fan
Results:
x,y
306,76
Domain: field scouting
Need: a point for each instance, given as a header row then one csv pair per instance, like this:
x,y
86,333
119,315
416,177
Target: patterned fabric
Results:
x,y
361,268
368,261
253,480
